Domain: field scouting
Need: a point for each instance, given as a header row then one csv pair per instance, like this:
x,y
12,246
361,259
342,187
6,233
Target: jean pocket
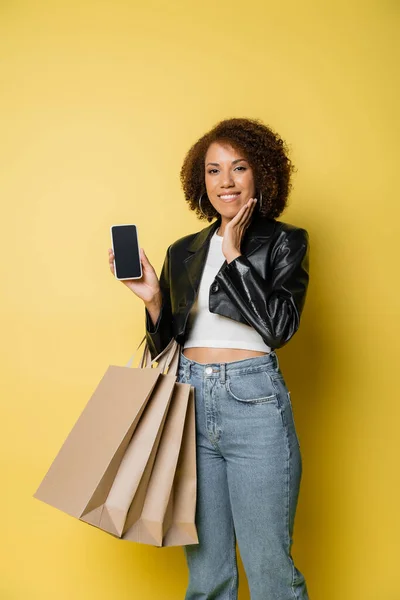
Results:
x,y
255,387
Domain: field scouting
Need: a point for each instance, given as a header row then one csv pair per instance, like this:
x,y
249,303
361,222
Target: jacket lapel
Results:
x,y
255,235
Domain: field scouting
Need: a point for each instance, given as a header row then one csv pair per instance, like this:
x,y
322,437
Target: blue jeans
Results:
x,y
248,477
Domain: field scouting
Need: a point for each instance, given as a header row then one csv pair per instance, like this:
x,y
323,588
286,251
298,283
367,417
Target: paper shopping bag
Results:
x,y
150,521
149,462
80,478
179,525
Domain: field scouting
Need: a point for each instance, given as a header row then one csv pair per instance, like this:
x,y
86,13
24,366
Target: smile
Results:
x,y
229,197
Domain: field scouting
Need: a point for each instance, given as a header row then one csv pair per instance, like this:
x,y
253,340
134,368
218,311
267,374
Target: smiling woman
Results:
x,y
230,295
249,278
230,188
230,172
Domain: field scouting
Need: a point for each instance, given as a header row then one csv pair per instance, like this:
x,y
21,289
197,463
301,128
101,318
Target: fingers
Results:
x,y
111,260
243,216
249,211
145,261
246,212
237,219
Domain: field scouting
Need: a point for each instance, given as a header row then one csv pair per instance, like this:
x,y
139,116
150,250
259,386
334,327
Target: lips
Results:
x,y
229,197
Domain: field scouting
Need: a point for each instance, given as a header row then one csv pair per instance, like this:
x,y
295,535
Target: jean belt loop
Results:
x,y
276,362
223,373
187,370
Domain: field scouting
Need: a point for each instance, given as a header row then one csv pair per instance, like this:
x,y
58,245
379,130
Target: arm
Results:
x,y
272,307
159,334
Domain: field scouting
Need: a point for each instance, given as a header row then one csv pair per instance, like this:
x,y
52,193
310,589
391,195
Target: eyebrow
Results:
x,y
233,162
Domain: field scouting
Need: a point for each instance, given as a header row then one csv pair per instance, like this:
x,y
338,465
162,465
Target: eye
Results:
x,y
239,167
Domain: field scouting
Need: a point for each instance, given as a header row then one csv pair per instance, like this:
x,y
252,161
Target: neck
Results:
x,y
221,228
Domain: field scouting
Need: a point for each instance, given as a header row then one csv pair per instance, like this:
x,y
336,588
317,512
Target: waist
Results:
x,y
265,361
209,354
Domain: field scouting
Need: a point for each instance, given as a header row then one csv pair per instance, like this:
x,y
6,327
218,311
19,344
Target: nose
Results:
x,y
227,180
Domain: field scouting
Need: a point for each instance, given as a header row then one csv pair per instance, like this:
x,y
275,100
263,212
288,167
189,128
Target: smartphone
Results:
x,y
125,245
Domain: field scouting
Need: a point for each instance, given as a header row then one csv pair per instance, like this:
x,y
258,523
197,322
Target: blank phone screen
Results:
x,y
126,251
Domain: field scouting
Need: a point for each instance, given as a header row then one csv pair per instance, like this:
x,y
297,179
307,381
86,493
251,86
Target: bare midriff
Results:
x,y
219,355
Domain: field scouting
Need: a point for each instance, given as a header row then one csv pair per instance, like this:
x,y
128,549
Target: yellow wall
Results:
x,y
99,102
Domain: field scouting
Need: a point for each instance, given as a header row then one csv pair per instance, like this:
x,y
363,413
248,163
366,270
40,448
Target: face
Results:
x,y
228,178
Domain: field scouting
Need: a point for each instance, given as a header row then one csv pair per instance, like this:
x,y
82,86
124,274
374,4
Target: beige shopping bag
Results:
x,y
169,507
179,525
81,476
138,504
129,464
168,510
145,519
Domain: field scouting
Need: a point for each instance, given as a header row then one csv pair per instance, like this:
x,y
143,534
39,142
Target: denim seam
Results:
x,y
233,587
218,418
288,504
279,378
288,517
281,412
216,431
208,418
294,423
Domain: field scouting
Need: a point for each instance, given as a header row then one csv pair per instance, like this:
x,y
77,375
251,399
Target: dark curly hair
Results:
x,y
266,152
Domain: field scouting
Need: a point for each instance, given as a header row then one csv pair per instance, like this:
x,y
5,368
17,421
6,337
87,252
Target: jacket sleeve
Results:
x,y
272,307
159,335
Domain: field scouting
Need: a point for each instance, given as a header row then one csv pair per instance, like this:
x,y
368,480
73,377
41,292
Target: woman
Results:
x,y
231,295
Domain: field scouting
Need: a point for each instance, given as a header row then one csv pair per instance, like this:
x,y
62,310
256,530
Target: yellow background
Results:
x,y
99,103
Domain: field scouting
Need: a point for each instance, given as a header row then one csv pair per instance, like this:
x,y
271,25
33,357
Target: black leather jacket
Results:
x,y
264,287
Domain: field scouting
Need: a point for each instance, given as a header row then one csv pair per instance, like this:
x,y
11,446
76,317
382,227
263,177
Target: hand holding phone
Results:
x,y
129,263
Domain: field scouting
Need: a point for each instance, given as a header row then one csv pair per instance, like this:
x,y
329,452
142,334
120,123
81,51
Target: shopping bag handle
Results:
x,y
167,359
146,361
164,359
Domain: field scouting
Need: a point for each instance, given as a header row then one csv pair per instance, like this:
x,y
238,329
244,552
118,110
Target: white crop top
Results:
x,y
207,329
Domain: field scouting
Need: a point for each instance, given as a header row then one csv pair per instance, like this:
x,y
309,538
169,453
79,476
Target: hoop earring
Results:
x,y
207,217
260,198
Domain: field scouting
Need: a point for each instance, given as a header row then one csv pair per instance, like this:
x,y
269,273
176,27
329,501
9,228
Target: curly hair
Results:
x,y
266,152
